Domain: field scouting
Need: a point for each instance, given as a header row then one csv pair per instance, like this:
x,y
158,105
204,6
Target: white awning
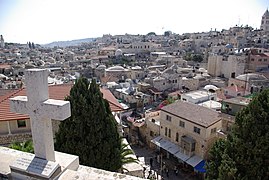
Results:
x,y
170,147
173,149
157,139
194,160
160,141
165,144
181,156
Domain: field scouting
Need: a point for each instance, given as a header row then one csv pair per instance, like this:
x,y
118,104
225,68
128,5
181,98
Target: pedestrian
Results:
x,y
151,162
164,167
144,171
149,176
176,172
175,169
167,172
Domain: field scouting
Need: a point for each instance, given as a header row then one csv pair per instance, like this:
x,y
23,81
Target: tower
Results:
x,y
2,42
265,21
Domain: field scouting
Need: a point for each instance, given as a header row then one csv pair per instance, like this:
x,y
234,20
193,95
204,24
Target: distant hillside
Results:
x,y
69,43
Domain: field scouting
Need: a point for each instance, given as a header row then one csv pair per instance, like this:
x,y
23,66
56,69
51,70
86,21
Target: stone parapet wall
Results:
x,y
8,139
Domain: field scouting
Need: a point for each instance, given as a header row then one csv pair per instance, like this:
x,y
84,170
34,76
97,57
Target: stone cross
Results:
x,y
41,110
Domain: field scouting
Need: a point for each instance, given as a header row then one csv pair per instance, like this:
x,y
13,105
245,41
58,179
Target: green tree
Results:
x,y
197,58
91,131
193,57
151,34
26,146
33,45
188,56
245,154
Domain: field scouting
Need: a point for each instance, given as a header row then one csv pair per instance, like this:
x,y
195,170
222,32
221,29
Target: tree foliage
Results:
x,y
193,57
91,131
151,34
26,146
244,155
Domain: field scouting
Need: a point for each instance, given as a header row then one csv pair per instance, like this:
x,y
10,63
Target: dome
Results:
x,y
250,76
211,87
115,68
136,68
229,46
118,52
101,67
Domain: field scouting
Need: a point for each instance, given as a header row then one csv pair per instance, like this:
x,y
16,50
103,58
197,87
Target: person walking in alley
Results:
x,y
164,167
151,162
167,172
176,170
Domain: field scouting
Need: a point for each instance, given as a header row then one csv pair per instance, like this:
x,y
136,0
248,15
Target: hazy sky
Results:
x,y
44,21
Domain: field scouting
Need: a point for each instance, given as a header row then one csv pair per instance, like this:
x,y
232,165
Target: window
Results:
x,y
169,133
165,133
260,59
151,133
252,59
182,124
177,135
168,118
21,123
213,130
197,130
265,60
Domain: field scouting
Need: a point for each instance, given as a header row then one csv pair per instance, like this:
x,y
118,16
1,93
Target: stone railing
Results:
x,y
8,139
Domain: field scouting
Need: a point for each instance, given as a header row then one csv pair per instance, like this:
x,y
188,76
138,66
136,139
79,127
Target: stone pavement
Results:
x,y
144,155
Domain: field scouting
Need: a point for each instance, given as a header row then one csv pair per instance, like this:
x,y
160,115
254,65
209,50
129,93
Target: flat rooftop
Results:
x,y
198,94
243,101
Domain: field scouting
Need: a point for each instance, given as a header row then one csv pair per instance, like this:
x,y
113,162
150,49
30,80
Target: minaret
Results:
x,y
2,42
265,21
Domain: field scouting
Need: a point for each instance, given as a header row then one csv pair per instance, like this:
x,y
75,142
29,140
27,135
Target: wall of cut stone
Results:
x,y
8,139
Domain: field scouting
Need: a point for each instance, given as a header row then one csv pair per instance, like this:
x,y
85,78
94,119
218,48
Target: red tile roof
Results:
x,y
58,92
5,66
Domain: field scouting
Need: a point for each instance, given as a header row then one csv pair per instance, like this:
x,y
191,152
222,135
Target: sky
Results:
x,y
45,21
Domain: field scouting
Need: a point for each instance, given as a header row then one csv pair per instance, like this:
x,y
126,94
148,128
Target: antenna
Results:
x,y
238,21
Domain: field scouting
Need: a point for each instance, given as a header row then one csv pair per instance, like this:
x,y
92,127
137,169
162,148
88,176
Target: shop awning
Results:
x,y
200,167
181,156
194,160
170,147
160,141
173,149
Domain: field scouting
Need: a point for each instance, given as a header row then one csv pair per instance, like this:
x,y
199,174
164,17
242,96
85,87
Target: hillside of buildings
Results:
x,y
75,42
175,94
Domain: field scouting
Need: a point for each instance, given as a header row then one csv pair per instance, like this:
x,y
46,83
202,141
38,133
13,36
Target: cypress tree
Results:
x,y
245,153
91,131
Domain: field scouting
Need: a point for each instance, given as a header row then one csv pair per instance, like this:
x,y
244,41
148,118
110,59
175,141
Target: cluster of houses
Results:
x,y
161,96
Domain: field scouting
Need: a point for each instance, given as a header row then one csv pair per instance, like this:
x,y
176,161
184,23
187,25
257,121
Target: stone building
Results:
x,y
226,65
2,42
188,131
265,21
